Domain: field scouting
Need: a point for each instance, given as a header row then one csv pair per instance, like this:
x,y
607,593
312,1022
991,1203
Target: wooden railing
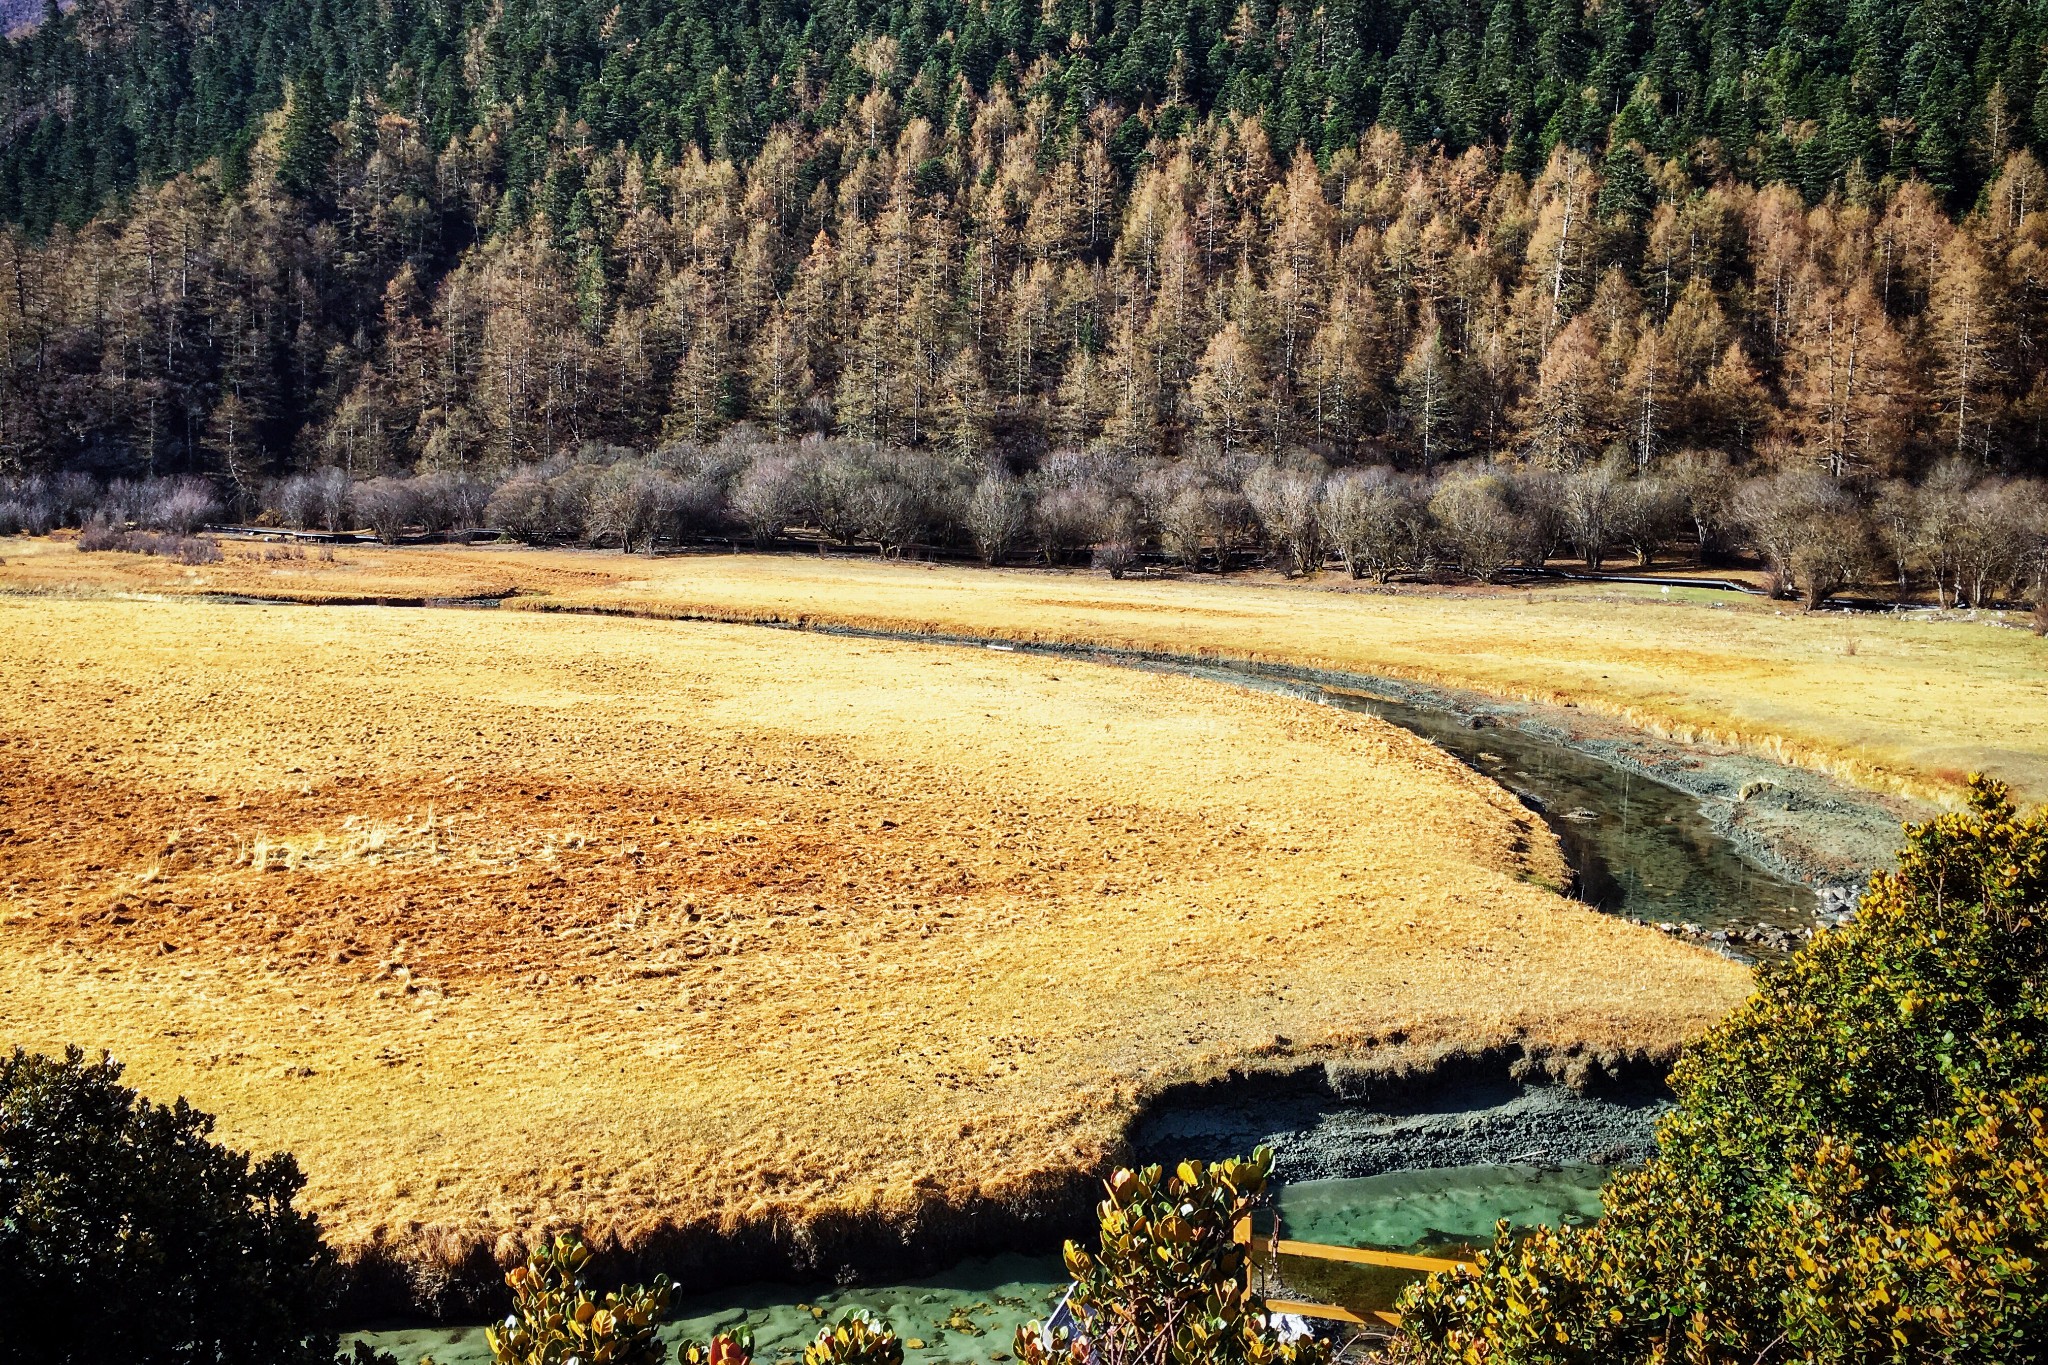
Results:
x,y
1394,1260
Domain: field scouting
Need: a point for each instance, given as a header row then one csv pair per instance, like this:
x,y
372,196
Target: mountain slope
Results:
x,y
1816,92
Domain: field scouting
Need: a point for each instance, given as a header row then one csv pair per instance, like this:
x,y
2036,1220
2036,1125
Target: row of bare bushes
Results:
x,y
1970,538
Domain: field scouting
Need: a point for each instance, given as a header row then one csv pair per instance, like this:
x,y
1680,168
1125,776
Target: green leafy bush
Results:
x,y
1857,1169
1168,1283
127,1235
556,1319
858,1338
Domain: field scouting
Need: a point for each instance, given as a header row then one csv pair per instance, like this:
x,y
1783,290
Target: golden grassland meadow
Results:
x,y
1896,704
499,919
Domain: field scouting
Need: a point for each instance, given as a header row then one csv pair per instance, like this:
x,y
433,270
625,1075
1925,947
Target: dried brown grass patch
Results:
x,y
499,920
1913,701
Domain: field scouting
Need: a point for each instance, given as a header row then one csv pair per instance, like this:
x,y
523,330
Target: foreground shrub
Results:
x,y
556,1317
734,1346
127,1235
858,1338
1857,1169
1167,1283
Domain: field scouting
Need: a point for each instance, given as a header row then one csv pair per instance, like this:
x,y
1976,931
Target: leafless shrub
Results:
x,y
1590,504
26,509
835,476
1895,515
1481,525
448,501
1705,483
1836,556
1376,522
1997,540
1648,510
1119,539
37,504
998,514
1198,503
386,505
769,495
1078,500
1812,535
183,508
179,506
1538,498
1189,523
1067,521
519,507
540,503
315,501
72,495
638,503
99,537
1287,503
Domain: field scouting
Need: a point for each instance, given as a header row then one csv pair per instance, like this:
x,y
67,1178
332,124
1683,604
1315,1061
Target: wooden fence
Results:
x,y
1394,1260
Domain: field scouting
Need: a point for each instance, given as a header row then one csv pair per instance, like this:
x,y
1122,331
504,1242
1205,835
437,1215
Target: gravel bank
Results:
x,y
1318,1132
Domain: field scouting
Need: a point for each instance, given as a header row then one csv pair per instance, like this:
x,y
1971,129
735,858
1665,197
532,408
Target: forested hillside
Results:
x,y
423,234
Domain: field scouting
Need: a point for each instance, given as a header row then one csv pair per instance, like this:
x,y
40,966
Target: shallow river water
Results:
x,y
1639,847
970,1313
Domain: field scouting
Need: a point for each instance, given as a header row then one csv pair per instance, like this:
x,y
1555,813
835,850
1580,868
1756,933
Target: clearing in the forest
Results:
x,y
497,919
1895,703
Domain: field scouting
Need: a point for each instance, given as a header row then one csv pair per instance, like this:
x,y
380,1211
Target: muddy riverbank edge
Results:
x,y
1328,1119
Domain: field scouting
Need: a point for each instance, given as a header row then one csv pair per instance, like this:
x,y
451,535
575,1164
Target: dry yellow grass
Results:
x,y
1894,704
498,919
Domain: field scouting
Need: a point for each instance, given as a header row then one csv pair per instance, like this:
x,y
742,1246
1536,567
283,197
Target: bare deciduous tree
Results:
x,y
1375,520
386,505
998,514
1706,482
1481,524
1810,531
1591,505
1286,503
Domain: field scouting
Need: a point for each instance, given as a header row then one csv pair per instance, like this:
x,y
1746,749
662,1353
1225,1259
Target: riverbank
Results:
x,y
1896,704
1489,1109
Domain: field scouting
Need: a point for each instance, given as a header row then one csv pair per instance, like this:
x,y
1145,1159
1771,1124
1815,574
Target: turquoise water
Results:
x,y
971,1312
1449,1213
1418,1210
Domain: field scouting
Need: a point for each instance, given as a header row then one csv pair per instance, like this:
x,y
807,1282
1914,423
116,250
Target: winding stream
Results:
x,y
970,1312
1638,847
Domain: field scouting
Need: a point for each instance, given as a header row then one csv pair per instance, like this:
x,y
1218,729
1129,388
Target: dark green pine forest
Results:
x,y
1812,92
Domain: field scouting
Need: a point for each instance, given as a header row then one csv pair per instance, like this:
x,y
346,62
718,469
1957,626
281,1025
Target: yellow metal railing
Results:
x,y
1394,1260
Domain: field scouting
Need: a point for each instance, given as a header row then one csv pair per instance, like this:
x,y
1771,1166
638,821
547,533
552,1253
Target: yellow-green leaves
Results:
x,y
555,1317
1168,1281
858,1338
1857,1169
